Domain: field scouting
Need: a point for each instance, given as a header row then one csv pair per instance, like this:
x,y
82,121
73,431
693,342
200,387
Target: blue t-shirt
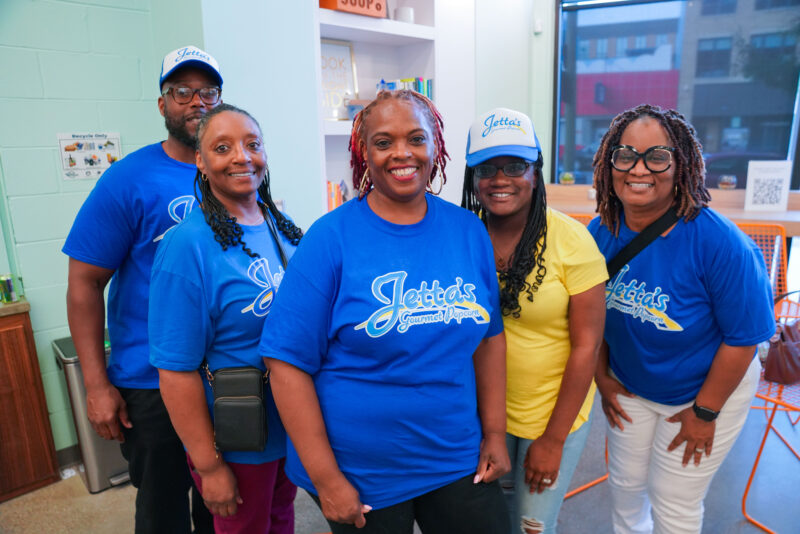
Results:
x,y
209,303
671,306
136,201
385,318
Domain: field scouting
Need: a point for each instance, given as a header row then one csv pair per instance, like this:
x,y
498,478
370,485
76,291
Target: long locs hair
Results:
x,y
528,255
227,231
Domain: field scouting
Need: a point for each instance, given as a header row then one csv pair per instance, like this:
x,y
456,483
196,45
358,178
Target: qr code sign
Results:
x,y
767,191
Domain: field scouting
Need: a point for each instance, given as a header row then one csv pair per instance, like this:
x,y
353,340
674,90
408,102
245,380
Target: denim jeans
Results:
x,y
542,508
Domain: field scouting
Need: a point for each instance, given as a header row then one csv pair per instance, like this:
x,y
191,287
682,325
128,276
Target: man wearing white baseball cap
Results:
x,y
114,238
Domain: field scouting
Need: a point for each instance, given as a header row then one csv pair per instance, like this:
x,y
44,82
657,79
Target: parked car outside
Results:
x,y
732,164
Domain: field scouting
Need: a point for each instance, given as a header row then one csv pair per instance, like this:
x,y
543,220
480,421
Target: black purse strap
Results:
x,y
638,243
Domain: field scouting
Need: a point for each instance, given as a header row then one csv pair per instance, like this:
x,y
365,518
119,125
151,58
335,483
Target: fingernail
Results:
x,y
367,507
476,479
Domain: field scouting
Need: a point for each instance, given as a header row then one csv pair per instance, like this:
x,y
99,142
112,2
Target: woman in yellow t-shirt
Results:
x,y
552,294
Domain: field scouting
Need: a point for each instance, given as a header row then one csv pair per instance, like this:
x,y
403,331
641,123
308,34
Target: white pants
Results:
x,y
644,476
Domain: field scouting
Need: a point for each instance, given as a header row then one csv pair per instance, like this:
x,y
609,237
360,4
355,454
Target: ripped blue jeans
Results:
x,y
539,511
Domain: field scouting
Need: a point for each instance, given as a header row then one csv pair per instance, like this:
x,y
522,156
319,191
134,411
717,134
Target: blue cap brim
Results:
x,y
528,153
192,63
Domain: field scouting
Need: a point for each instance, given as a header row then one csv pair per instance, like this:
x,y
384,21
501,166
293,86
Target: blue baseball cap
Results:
x,y
189,56
502,132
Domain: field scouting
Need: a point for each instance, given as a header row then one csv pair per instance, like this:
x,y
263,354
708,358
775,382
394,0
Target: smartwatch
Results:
x,y
706,414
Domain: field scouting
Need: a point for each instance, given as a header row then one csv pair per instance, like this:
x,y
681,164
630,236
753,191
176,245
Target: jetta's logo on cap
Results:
x,y
503,123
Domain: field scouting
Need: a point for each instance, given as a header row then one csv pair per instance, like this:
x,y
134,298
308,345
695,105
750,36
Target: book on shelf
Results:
x,y
338,194
423,86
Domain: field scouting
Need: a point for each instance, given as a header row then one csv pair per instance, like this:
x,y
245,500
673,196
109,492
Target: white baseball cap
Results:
x,y
502,132
189,56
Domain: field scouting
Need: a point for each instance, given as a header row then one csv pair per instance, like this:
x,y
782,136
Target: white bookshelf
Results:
x,y
271,63
382,49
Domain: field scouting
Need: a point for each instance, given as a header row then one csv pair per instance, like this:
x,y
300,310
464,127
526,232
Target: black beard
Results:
x,y
177,129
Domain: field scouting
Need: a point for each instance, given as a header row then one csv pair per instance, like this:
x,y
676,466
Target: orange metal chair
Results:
x,y
771,238
776,397
585,218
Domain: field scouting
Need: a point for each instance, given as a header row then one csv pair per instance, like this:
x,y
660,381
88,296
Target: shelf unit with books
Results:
x,y
382,49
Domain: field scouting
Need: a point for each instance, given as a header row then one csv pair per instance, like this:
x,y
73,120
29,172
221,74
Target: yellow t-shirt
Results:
x,y
538,344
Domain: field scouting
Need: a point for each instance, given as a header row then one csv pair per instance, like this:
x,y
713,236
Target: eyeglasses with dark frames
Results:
x,y
511,169
656,158
183,95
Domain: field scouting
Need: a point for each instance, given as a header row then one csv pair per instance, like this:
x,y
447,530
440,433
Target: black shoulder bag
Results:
x,y
240,413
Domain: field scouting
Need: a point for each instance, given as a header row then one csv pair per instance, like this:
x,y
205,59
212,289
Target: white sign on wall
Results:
x,y
87,155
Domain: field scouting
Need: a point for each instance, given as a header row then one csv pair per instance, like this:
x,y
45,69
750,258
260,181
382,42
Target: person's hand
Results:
x,y
609,388
106,411
341,503
220,492
494,461
698,435
542,463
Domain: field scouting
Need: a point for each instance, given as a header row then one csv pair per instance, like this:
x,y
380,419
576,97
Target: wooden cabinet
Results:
x,y
27,453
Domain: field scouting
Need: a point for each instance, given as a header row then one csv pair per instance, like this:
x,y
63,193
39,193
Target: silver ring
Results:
x,y
699,450
546,481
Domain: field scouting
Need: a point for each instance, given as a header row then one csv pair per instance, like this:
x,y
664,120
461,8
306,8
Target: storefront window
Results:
x,y
730,67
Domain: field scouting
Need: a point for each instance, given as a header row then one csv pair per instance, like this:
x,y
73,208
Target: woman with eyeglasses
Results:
x,y
551,293
213,282
386,344
677,371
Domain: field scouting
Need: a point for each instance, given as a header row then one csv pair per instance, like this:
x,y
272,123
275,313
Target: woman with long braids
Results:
x,y
213,283
677,371
551,294
386,345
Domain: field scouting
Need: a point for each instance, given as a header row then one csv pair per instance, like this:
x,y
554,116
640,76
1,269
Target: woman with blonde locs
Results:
x,y
552,297
386,344
213,280
677,371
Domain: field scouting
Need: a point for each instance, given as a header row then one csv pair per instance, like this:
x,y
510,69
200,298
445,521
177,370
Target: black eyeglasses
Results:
x,y
512,169
656,158
184,95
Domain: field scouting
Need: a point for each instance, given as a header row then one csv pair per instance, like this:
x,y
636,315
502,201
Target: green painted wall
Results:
x,y
71,66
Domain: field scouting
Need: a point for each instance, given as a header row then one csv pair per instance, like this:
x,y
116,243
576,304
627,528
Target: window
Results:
x,y
772,4
602,48
713,57
718,7
622,46
583,49
681,66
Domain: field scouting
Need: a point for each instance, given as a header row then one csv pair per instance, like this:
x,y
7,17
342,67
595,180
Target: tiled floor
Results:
x,y
66,507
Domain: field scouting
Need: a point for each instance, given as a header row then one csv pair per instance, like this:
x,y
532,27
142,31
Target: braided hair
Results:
x,y
528,255
228,232
691,194
360,164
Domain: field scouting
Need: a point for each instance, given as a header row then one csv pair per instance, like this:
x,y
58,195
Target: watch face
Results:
x,y
706,414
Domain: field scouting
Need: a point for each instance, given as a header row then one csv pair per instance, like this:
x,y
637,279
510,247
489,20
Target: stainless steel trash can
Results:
x,y
103,463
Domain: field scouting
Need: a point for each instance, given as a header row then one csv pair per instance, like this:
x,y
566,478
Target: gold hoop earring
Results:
x,y
363,185
203,177
441,180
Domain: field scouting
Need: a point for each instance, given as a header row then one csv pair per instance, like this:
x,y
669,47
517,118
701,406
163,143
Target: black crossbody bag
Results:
x,y
640,242
240,413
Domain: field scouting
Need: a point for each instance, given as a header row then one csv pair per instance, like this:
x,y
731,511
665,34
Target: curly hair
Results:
x,y
357,141
528,255
228,232
691,194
